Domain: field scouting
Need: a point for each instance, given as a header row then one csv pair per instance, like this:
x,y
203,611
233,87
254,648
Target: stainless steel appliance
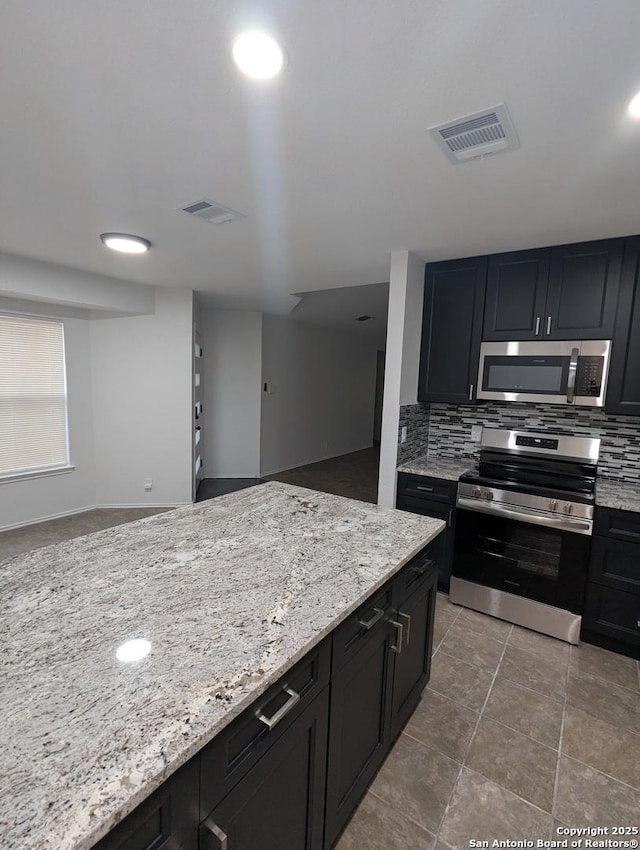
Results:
x,y
552,372
523,529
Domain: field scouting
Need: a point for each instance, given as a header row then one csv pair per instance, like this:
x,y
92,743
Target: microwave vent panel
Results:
x,y
211,211
476,135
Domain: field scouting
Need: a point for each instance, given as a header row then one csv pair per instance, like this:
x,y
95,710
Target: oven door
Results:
x,y
545,564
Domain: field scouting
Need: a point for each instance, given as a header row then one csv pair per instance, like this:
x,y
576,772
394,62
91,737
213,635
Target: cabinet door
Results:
x,y
584,281
167,820
452,330
615,563
413,649
359,721
613,614
516,295
623,394
438,510
280,802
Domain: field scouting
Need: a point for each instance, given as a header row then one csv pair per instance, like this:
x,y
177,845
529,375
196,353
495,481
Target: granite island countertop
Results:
x,y
230,593
439,467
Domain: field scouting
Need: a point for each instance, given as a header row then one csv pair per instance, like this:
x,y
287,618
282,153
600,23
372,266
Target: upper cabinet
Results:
x,y
623,394
565,292
451,330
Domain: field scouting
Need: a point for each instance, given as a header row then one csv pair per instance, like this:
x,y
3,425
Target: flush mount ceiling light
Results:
x,y
258,55
634,106
125,243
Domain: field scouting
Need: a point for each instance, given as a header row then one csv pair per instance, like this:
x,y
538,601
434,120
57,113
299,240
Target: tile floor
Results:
x,y
516,735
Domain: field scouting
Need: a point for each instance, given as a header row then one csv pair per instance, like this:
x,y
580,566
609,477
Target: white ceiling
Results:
x,y
340,308
115,114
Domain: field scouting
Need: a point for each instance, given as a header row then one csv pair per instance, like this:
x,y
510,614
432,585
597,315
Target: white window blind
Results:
x,y
33,395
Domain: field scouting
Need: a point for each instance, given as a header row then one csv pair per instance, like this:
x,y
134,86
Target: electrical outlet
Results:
x,y
148,484
476,433
403,434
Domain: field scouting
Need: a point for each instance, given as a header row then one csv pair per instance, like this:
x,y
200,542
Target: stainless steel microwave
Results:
x,y
552,372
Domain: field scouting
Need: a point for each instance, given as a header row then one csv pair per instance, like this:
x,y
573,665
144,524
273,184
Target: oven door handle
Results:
x,y
564,523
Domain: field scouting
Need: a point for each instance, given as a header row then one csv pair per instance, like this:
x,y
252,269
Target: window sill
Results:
x,y
35,473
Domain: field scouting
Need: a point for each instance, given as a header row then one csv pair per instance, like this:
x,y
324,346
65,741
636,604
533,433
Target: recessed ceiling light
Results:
x,y
133,650
258,55
125,243
634,106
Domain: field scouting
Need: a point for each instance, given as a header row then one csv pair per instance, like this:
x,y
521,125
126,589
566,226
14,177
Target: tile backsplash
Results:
x,y
449,431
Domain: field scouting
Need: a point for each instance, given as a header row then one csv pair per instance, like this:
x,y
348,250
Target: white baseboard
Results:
x,y
63,514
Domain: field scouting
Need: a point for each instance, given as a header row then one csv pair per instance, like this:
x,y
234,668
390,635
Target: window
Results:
x,y
33,396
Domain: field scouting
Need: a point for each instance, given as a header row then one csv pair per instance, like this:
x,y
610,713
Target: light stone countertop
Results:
x,y
230,593
439,467
617,494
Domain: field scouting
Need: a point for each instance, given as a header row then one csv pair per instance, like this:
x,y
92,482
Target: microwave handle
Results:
x,y
571,379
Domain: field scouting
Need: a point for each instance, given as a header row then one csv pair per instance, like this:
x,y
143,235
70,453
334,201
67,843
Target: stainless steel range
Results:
x,y
523,527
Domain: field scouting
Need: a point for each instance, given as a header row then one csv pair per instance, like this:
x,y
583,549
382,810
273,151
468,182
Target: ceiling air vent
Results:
x,y
480,134
211,211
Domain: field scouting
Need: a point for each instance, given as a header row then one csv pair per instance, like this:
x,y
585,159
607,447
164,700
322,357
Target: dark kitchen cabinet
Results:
x,y
415,613
565,292
612,604
623,393
435,497
381,663
516,295
167,820
452,330
280,802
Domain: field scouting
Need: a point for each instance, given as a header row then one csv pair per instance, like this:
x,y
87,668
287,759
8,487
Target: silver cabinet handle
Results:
x,y
571,378
408,632
548,325
369,624
399,630
470,392
270,722
638,624
422,487
211,836
537,325
450,518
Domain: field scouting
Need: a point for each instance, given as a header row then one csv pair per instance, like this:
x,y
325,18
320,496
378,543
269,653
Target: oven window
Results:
x,y
516,374
541,563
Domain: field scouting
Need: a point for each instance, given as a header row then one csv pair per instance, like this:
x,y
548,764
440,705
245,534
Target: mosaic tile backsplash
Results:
x,y
449,431
416,418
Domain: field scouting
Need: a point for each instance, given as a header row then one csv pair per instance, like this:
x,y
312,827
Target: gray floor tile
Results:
x,y
445,617
444,725
515,762
378,826
605,700
483,810
593,661
471,647
541,674
608,748
417,781
587,797
462,682
484,625
550,647
526,711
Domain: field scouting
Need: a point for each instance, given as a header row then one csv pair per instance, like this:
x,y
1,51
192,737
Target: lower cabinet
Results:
x,y
611,616
289,771
381,663
280,802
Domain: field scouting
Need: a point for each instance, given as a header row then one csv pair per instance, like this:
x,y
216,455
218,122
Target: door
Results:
x,y
438,510
516,295
280,802
452,330
623,395
413,648
584,281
